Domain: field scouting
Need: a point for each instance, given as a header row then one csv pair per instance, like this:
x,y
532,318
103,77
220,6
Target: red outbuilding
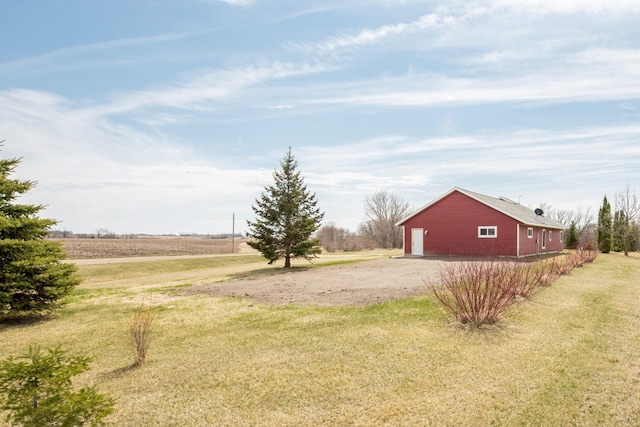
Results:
x,y
461,222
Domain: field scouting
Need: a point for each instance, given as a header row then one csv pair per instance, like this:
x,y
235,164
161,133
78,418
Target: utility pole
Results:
x,y
233,233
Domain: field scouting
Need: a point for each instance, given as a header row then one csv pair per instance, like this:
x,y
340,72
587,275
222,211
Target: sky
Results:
x,y
170,116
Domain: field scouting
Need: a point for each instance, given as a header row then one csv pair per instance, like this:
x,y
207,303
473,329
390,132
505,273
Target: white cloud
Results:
x,y
94,172
200,91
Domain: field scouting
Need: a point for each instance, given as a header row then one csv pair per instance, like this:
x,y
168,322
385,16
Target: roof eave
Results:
x,y
557,226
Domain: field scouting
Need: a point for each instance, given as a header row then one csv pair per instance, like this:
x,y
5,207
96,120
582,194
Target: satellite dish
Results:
x,y
539,212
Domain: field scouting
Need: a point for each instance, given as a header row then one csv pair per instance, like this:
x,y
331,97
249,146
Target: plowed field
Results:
x,y
145,246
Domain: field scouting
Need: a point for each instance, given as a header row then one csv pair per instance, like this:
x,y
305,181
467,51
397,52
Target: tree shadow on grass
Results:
x,y
22,321
264,272
119,372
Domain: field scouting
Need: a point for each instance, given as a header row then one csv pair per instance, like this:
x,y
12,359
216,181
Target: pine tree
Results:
x,y
605,225
628,204
618,235
287,216
572,237
32,278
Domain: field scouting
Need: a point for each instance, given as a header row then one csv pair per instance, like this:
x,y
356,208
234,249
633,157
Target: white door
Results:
x,y
417,242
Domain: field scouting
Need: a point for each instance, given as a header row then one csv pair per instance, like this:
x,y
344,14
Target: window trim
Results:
x,y
544,238
530,232
487,228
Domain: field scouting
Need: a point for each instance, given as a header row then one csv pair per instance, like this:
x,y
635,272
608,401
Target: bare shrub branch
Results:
x,y
140,328
475,292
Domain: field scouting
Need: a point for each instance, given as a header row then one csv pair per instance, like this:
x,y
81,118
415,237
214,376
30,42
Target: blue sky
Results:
x,y
167,116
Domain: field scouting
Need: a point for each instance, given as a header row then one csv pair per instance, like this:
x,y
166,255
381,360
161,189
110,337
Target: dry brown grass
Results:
x,y
569,356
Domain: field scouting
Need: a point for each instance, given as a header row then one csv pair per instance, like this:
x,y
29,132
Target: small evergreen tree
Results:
x,y
287,216
32,278
572,237
37,390
605,227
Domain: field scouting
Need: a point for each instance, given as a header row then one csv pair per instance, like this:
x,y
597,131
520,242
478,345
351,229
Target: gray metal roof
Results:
x,y
508,207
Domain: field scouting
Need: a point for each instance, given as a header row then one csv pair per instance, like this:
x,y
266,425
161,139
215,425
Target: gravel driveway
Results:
x,y
357,284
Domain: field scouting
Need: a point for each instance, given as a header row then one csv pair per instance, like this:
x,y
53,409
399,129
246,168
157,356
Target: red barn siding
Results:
x,y
452,224
533,245
527,244
452,228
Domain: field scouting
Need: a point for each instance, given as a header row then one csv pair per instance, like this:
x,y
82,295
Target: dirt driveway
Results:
x,y
357,284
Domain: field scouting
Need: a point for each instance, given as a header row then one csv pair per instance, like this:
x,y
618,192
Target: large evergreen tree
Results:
x,y
605,227
32,278
287,216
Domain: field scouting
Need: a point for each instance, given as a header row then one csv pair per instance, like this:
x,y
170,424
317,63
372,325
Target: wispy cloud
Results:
x,y
143,159
102,173
376,35
570,6
145,173
593,74
198,92
77,54
420,169
242,3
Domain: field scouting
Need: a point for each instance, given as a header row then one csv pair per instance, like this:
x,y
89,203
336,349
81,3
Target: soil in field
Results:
x,y
147,246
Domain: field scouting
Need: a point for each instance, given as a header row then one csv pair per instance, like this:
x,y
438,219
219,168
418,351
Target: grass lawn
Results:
x,y
569,356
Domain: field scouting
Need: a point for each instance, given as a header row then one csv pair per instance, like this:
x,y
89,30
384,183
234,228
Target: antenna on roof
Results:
x,y
539,212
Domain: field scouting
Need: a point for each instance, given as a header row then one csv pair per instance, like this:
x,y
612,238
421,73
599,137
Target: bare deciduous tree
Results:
x,y
105,233
334,239
383,210
584,219
628,204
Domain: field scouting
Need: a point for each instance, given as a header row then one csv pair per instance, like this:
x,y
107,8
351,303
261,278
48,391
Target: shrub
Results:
x,y
561,265
37,391
587,255
481,292
526,279
476,292
140,327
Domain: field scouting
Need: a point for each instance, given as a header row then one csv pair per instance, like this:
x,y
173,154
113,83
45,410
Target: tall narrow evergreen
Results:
x,y
32,278
287,216
605,227
618,235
